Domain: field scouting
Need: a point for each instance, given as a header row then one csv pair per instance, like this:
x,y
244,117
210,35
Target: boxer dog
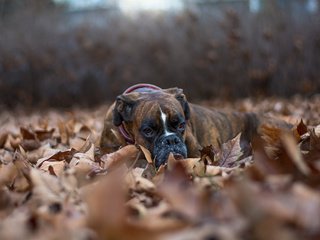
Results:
x,y
164,122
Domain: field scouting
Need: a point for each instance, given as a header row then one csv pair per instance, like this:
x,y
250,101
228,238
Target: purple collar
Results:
x,y
141,87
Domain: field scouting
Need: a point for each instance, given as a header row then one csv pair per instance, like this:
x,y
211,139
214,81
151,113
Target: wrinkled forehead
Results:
x,y
155,109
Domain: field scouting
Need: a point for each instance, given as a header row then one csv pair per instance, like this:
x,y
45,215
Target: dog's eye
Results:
x,y
181,126
148,132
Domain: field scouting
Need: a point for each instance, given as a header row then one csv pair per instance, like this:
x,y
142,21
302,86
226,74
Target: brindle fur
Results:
x,y
205,126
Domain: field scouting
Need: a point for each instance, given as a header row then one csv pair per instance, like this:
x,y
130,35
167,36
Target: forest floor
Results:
x,y
55,183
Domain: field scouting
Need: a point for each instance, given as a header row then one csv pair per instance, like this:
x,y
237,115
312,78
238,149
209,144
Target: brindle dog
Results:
x,y
164,122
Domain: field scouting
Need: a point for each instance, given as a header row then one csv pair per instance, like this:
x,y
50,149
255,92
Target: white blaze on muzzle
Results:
x,y
164,122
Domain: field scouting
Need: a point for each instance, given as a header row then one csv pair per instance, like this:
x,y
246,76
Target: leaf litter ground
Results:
x,y
55,183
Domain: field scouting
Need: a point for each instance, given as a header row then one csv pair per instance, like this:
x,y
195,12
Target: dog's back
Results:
x,y
211,126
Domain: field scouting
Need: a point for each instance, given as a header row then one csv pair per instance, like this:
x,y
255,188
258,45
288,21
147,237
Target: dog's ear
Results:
x,y
124,108
181,97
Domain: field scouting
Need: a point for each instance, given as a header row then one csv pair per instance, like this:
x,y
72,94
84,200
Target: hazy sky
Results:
x,y
136,5
127,5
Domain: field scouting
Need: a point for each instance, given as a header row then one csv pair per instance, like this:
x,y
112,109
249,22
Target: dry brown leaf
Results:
x,y
47,188
215,170
171,161
263,165
22,182
307,206
12,142
77,143
44,150
63,133
106,212
44,134
208,153
195,166
30,144
22,152
302,128
90,151
128,154
294,152
230,152
176,188
84,132
84,166
59,156
315,139
159,176
149,172
147,154
57,167
5,156
138,183
27,134
311,147
3,137
8,173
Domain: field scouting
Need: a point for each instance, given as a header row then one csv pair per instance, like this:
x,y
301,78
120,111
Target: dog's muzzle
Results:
x,y
165,145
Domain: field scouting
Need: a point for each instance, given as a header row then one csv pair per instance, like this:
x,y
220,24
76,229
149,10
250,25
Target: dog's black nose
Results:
x,y
171,140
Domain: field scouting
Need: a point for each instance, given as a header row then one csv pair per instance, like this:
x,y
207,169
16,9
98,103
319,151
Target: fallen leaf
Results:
x,y
176,189
231,152
27,134
147,154
57,167
128,154
195,166
59,156
294,152
63,133
302,128
208,153
3,137
44,134
84,164
171,161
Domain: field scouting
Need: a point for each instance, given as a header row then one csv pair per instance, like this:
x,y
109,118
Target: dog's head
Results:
x,y
156,120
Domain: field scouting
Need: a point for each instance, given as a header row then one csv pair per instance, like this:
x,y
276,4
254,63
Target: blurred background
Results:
x,y
62,53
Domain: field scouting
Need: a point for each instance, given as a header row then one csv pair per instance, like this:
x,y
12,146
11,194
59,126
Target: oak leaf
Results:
x,y
230,152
